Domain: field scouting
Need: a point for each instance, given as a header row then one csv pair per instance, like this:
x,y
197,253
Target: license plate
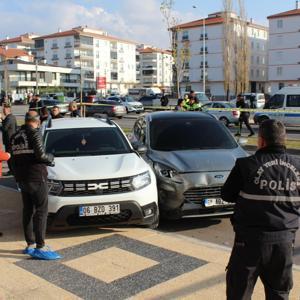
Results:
x,y
214,202
99,210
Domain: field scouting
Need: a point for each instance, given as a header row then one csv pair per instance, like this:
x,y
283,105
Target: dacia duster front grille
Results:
x,y
96,187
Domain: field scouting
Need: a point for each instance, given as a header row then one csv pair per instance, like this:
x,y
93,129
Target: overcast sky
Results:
x,y
138,20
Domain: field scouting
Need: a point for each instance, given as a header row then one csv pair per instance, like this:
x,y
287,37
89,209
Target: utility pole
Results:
x,y
36,77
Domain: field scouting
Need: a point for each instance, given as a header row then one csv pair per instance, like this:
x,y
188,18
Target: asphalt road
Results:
x,y
215,229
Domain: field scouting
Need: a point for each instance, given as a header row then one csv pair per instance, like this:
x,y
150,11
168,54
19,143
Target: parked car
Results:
x,y
191,154
226,117
258,100
108,107
88,99
150,101
285,99
98,179
130,104
51,102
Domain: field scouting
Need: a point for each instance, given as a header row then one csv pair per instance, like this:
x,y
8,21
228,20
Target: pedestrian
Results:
x,y
55,112
4,156
73,109
35,104
45,116
265,190
9,128
180,105
244,116
164,100
30,167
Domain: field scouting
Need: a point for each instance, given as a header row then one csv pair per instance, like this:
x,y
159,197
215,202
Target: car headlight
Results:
x,y
164,171
55,187
140,181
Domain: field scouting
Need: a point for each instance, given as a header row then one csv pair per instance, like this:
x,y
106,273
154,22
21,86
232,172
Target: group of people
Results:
x,y
27,161
189,103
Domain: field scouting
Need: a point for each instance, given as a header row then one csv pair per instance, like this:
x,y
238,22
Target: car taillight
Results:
x,y
235,113
114,108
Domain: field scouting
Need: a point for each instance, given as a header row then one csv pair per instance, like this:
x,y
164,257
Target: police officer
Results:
x,y
244,116
30,161
265,188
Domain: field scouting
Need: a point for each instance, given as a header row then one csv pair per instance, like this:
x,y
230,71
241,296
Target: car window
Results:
x,y
276,101
140,130
85,142
189,134
208,105
218,105
293,101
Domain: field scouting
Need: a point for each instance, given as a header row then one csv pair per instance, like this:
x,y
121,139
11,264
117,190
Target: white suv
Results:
x,y
98,179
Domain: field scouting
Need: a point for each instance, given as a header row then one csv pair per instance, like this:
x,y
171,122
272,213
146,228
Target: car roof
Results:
x,y
179,115
72,123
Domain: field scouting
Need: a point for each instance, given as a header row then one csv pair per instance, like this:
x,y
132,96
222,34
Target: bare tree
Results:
x,y
236,49
180,52
228,47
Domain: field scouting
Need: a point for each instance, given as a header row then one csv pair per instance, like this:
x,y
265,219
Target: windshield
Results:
x,y
129,99
202,97
276,101
85,142
189,134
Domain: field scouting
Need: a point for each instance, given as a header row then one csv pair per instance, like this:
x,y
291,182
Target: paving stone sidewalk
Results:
x,y
112,263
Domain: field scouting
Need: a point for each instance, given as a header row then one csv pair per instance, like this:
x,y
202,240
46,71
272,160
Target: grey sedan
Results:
x,y
226,117
192,154
107,107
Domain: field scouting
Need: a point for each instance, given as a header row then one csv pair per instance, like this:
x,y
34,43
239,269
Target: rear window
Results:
x,y
189,134
293,101
85,142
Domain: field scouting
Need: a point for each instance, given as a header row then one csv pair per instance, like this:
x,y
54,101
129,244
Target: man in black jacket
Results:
x,y
244,116
265,188
9,128
30,170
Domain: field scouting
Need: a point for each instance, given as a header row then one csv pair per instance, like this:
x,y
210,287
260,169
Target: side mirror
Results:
x,y
141,149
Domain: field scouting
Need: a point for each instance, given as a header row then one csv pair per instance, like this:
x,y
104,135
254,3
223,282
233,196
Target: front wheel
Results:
x,y
224,121
155,223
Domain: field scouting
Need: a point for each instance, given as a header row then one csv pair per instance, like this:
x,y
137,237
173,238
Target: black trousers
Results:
x,y
245,119
35,211
272,262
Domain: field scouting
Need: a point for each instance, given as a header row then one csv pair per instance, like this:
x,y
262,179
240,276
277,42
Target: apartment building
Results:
x,y
191,36
20,76
284,49
106,63
155,67
23,42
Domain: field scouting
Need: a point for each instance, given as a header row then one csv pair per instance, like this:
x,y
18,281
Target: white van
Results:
x,y
287,99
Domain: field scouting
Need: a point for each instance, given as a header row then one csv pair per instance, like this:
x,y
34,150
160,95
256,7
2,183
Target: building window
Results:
x,y
54,76
185,36
263,73
252,73
257,73
279,23
257,60
114,75
279,71
257,46
252,45
203,35
263,60
202,51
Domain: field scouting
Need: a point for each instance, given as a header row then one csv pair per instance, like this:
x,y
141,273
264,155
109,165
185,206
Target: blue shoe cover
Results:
x,y
28,250
45,254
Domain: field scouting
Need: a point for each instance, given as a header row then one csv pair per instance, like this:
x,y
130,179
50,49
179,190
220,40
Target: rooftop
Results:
x,y
25,38
73,123
154,50
289,13
81,31
13,53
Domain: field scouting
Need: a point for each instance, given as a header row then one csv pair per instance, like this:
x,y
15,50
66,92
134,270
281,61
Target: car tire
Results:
x,y
155,223
127,110
224,121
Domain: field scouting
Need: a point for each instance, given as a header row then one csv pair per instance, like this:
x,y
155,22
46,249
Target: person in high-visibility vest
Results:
x,y
4,156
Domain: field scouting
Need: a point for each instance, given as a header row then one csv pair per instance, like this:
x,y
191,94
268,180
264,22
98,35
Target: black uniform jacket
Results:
x,y
9,128
266,190
28,155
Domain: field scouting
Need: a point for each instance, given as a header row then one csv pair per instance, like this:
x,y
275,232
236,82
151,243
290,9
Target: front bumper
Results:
x,y
130,213
135,109
185,194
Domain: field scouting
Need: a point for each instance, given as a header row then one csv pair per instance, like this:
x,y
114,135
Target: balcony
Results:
x,y
83,45
70,81
55,58
68,56
54,46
